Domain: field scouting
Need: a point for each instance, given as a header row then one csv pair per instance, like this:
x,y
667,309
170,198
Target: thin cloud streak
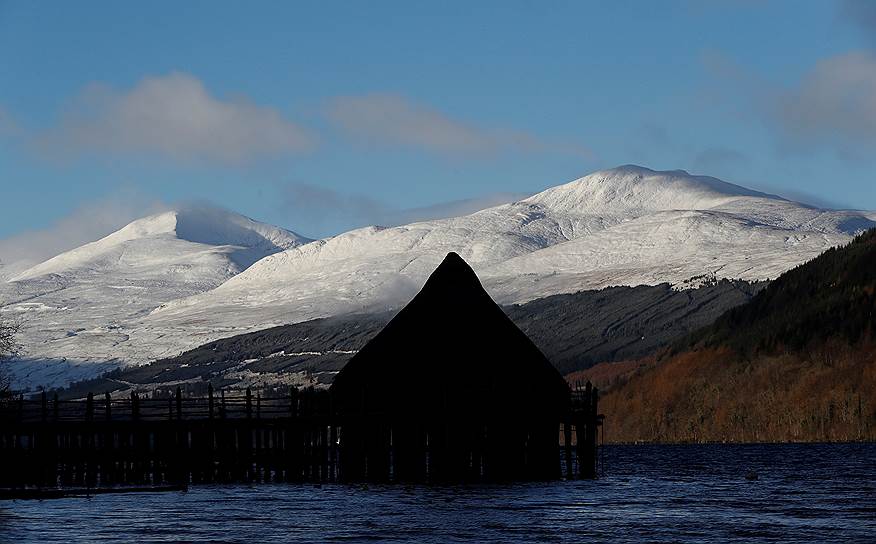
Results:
x,y
390,120
321,208
8,126
714,159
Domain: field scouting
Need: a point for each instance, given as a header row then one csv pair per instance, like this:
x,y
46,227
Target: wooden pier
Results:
x,y
102,442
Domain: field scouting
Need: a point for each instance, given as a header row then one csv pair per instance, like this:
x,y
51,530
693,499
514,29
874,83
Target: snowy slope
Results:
x,y
13,269
624,226
76,305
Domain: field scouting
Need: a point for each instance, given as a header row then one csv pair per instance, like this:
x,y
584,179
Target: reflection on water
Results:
x,y
803,493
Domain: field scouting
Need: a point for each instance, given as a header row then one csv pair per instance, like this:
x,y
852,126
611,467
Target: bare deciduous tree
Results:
x,y
8,347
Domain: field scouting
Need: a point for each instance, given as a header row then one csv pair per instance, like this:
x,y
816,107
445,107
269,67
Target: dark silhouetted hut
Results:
x,y
450,389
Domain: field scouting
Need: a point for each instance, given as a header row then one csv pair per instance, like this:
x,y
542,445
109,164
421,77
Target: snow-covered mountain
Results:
x,y
77,306
625,226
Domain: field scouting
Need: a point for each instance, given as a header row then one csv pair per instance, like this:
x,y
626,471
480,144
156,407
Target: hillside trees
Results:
x,y
796,363
8,347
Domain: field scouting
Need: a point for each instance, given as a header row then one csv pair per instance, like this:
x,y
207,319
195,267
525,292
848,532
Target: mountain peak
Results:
x,y
218,226
142,238
630,189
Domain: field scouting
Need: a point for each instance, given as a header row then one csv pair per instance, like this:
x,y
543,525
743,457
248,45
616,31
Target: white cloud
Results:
x,y
87,223
394,120
834,104
173,116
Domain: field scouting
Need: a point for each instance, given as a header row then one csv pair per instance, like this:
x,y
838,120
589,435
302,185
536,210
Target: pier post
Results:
x,y
585,428
293,402
210,400
293,440
109,452
567,446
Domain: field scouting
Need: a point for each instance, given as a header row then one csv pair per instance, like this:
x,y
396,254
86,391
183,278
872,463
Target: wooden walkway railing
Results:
x,y
103,441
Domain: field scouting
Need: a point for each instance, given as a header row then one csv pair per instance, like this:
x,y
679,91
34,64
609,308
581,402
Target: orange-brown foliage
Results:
x,y
712,395
609,374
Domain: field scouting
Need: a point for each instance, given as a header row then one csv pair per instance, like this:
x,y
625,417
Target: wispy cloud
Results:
x,y
322,208
717,159
8,125
833,106
173,116
319,207
392,120
454,208
87,223
862,13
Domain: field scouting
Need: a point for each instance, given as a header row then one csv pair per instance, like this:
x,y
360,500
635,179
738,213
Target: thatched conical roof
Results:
x,y
451,349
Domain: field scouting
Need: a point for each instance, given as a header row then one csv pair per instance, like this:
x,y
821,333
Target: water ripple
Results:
x,y
804,493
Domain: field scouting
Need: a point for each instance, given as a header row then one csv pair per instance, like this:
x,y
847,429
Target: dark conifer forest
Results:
x,y
796,363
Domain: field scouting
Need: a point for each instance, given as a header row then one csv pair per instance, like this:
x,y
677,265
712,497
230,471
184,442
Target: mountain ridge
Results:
x,y
619,227
574,331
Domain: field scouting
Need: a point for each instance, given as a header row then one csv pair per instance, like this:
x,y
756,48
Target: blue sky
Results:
x,y
324,116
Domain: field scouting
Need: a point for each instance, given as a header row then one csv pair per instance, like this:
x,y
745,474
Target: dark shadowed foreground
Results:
x,y
452,373
682,493
479,402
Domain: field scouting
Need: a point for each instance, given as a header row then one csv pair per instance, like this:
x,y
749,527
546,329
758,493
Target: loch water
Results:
x,y
649,493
